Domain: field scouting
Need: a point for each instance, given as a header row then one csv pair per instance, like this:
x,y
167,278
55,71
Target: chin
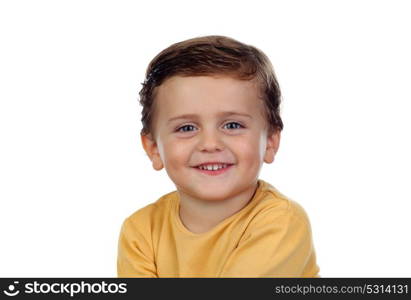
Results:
x,y
215,195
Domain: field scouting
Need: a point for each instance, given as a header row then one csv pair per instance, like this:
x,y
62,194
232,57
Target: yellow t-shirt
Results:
x,y
269,237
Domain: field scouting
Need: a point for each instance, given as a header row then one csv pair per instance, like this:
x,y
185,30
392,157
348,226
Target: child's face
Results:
x,y
210,134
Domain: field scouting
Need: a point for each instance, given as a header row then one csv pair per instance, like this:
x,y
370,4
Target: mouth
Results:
x,y
214,169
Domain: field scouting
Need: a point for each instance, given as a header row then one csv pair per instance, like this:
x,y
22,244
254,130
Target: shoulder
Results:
x,y
143,219
275,208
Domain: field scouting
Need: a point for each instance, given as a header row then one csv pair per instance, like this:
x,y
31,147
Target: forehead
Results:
x,y
207,95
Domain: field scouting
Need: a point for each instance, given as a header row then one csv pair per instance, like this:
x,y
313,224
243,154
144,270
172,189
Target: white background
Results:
x,y
72,166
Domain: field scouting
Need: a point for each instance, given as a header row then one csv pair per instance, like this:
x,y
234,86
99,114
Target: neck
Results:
x,y
199,216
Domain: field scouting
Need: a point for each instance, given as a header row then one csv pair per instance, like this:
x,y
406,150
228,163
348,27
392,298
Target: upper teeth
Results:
x,y
212,167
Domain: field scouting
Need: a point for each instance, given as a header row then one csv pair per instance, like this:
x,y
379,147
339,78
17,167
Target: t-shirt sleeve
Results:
x,y
135,255
275,245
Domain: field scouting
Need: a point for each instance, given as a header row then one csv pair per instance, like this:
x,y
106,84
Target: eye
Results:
x,y
234,125
185,128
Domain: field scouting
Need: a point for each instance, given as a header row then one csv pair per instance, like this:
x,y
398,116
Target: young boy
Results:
x,y
211,118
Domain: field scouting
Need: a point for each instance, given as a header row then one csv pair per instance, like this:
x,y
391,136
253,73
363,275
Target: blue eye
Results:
x,y
236,125
230,125
182,128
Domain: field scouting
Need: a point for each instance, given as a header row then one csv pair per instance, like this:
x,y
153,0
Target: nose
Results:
x,y
210,141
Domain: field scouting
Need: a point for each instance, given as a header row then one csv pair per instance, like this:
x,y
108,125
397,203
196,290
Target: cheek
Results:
x,y
248,150
249,146
176,154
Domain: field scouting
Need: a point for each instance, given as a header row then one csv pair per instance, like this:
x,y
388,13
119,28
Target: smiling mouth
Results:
x,y
214,170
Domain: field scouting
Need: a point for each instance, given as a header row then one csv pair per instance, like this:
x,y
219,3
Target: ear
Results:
x,y
150,146
273,143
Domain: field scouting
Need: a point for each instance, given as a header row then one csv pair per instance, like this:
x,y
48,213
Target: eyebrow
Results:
x,y
223,114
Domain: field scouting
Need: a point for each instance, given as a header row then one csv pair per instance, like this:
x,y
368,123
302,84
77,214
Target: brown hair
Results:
x,y
212,55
